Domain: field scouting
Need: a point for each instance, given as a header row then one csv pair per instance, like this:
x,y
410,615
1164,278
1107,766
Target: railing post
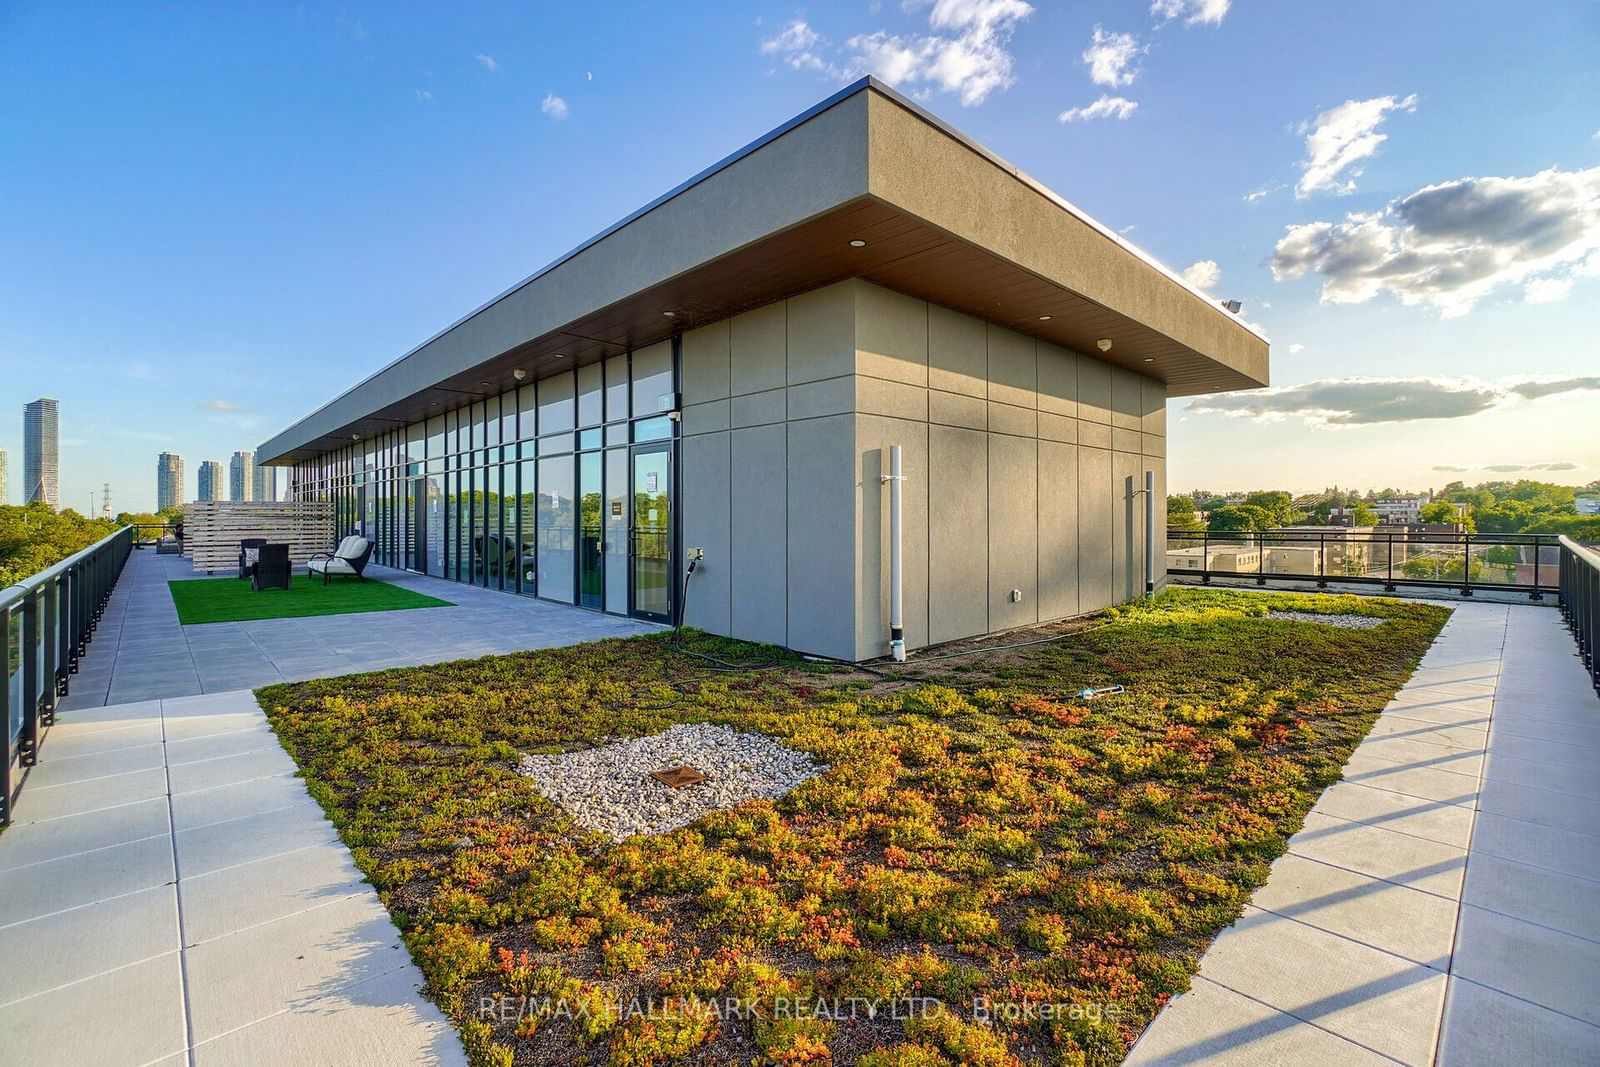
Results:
x,y
1322,560
1388,582
5,716
28,740
1466,563
1538,550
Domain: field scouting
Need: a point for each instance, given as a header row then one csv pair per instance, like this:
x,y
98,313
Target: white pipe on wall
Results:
x,y
1149,532
897,634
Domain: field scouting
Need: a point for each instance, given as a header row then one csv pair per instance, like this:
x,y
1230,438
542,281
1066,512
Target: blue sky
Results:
x,y
220,215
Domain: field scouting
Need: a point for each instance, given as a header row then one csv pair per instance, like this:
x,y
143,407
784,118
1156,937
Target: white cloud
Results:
x,y
1296,349
967,55
1107,107
488,63
1449,245
1110,58
1340,138
553,106
1365,401
1203,274
1206,12
1547,290
220,405
423,96
1261,193
798,45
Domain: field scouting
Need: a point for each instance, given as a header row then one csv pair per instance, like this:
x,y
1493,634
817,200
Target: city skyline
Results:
x,y
241,476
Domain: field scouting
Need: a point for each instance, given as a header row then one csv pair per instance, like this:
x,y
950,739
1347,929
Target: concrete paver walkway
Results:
x,y
142,652
171,894
1442,902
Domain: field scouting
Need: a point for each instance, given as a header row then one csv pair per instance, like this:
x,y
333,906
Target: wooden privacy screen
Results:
x,y
212,530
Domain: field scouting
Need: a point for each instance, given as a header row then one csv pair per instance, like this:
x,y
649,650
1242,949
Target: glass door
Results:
x,y
591,555
418,558
652,533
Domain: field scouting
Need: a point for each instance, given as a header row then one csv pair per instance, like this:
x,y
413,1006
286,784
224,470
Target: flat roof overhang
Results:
x,y
943,220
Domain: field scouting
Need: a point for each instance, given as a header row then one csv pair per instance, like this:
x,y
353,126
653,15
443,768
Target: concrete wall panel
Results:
x,y
1013,368
760,559
1127,399
891,335
1095,526
958,533
958,352
1013,495
1058,530
705,363
1094,390
822,333
874,435
758,349
822,538
707,523
957,409
759,409
1127,565
1058,380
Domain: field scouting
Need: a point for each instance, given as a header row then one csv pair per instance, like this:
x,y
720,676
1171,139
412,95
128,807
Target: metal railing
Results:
x,y
1580,601
1463,562
46,624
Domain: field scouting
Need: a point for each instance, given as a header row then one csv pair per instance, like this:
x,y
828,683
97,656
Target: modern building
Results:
x,y
41,453
720,377
210,481
169,481
242,476
264,485
1238,559
4,471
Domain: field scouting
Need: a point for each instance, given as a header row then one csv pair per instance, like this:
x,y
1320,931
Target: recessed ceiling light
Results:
x,y
856,242
1149,359
1044,318
559,355
487,385
670,314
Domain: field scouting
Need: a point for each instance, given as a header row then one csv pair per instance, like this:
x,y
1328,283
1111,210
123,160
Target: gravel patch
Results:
x,y
609,788
1348,622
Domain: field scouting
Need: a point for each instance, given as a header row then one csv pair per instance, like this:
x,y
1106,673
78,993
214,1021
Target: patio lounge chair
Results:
x,y
271,568
249,549
349,558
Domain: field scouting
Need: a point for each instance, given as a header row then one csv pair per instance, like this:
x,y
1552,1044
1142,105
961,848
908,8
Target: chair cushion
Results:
x,y
251,555
331,566
351,547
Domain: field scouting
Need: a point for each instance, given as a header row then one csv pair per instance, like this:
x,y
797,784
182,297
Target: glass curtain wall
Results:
x,y
530,491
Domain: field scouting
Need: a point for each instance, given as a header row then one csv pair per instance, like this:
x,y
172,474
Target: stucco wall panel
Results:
x,y
1096,505
1013,368
891,335
958,352
1058,530
1094,390
707,524
759,349
822,538
1013,495
958,533
822,333
705,363
874,436
760,557
1058,380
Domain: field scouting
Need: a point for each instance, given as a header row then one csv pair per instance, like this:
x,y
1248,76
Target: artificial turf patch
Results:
x,y
992,871
202,600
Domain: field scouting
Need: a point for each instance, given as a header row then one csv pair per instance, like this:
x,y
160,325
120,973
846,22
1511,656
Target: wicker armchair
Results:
x,y
271,568
249,548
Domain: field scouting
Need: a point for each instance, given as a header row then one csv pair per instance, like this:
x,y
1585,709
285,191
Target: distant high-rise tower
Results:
x,y
3,461
41,453
241,476
210,480
105,501
266,485
169,481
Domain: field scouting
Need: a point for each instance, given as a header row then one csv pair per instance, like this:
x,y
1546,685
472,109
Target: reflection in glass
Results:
x,y
591,571
557,528
651,534
527,538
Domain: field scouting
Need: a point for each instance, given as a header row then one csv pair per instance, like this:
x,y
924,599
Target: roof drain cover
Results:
x,y
678,777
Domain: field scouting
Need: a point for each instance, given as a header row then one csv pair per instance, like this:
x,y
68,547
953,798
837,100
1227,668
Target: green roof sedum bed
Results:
x,y
991,870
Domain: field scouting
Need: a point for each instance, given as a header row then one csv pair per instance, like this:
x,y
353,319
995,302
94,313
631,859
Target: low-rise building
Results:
x,y
1243,559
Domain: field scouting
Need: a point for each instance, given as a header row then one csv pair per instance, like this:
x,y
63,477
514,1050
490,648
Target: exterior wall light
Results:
x,y
519,374
1104,344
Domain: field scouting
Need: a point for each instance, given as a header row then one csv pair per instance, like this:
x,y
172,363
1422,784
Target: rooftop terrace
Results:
x,y
170,893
